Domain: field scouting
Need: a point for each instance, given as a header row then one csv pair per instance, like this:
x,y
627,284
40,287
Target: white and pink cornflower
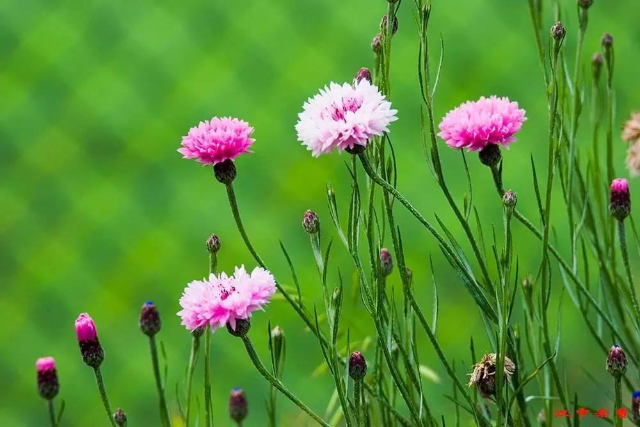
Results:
x,y
217,140
474,125
344,116
223,300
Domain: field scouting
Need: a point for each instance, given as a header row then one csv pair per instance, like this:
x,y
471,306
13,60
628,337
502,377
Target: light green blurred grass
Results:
x,y
99,213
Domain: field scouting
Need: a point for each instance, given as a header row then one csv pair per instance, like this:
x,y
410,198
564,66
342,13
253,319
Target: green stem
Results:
x,y
193,360
357,397
622,237
276,382
164,412
617,421
207,378
236,215
103,395
52,413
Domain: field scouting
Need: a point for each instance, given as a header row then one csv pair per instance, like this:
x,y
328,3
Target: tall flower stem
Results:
x,y
207,378
276,382
622,237
164,412
103,395
193,360
357,397
52,413
617,385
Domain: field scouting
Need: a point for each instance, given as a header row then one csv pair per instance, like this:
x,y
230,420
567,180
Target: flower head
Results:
x,y
386,262
620,201
150,322
484,374
90,348
86,328
633,158
238,405
617,361
48,385
310,222
631,130
357,366
221,300
217,140
344,117
474,125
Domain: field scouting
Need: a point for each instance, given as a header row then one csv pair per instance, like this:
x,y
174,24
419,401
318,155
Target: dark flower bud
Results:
x,y
120,418
363,74
357,366
620,201
376,44
558,31
607,41
48,385
617,361
635,406
150,322
238,405
510,199
90,348
596,65
586,4
310,222
384,21
213,244
386,262
490,155
241,327
225,172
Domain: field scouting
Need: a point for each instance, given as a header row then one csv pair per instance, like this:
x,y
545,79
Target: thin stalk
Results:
x,y
207,378
103,395
52,413
617,385
193,360
164,412
276,382
622,237
357,397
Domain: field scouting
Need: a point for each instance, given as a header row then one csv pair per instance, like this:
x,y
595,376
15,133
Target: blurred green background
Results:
x,y
100,213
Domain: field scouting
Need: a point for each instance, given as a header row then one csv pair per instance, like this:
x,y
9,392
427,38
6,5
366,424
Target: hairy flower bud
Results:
x,y
311,222
225,172
617,361
490,155
150,322
620,201
376,44
558,31
238,405
48,384
213,244
240,329
120,418
607,41
357,366
386,262
90,348
363,74
384,21
596,65
510,199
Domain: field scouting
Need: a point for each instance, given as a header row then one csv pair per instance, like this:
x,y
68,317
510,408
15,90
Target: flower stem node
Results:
x,y
150,322
311,222
558,31
48,384
386,262
238,405
241,328
213,244
620,201
490,155
357,366
120,418
617,361
225,171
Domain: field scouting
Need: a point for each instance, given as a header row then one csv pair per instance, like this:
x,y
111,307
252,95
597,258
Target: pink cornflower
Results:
x,y
217,140
45,364
474,125
86,328
344,116
221,300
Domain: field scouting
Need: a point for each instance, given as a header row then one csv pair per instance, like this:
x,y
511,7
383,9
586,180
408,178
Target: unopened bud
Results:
x,y
376,44
48,384
617,361
607,41
357,366
278,342
363,74
310,222
596,65
213,244
586,4
384,22
558,31
620,201
150,322
386,262
120,418
510,199
238,405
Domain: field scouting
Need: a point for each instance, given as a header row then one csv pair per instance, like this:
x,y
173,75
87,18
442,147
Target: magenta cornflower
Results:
x,y
45,364
48,384
86,328
474,125
619,185
221,300
217,140
343,117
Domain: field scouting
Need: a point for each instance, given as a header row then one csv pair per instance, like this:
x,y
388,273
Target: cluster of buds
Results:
x,y
617,361
620,201
484,374
238,405
90,348
48,385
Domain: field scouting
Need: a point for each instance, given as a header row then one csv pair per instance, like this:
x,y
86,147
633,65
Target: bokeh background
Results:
x,y
100,213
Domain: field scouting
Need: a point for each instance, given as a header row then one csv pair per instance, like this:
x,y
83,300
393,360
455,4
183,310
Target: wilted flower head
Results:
x,y
633,158
631,130
48,385
474,125
484,374
221,300
344,117
217,140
